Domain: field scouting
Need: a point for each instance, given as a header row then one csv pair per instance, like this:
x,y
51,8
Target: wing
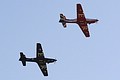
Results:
x,y
43,68
81,20
85,30
80,14
39,51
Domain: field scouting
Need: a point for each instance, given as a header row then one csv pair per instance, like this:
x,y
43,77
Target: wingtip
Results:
x,y
38,43
45,74
78,4
87,36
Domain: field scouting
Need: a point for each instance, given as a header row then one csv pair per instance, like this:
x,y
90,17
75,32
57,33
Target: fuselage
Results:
x,y
89,21
41,60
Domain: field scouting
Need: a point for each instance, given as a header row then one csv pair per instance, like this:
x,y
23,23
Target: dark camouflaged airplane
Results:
x,y
81,20
40,59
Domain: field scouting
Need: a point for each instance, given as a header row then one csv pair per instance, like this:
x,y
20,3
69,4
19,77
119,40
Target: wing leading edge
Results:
x,y
81,20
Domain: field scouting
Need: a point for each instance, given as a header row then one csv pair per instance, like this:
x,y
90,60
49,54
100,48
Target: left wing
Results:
x,y
43,68
81,20
39,51
85,30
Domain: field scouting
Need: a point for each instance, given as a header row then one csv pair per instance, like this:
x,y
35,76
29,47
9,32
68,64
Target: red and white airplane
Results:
x,y
81,20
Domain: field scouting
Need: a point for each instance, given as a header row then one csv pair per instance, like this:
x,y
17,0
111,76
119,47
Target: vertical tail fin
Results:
x,y
62,20
22,58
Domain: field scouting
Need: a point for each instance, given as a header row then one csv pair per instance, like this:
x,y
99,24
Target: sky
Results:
x,y
23,23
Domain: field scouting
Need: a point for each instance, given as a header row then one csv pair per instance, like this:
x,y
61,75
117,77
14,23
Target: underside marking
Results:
x,y
40,54
84,28
81,15
43,67
39,49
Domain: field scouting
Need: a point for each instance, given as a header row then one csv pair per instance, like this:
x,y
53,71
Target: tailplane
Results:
x,y
22,58
62,20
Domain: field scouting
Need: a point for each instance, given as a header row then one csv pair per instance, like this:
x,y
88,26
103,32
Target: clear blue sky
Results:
x,y
23,23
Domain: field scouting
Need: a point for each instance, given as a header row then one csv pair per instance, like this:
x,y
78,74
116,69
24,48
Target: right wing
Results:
x,y
39,51
81,20
43,68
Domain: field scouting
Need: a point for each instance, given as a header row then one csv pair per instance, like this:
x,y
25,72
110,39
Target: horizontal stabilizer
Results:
x,y
22,58
64,24
62,20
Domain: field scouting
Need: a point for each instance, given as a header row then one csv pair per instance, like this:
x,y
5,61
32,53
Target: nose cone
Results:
x,y
97,20
55,60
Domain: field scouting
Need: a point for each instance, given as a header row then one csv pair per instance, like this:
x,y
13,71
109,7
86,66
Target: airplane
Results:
x,y
39,59
81,20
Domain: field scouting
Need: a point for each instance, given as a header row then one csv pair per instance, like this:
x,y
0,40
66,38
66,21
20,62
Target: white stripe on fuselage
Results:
x,y
70,20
